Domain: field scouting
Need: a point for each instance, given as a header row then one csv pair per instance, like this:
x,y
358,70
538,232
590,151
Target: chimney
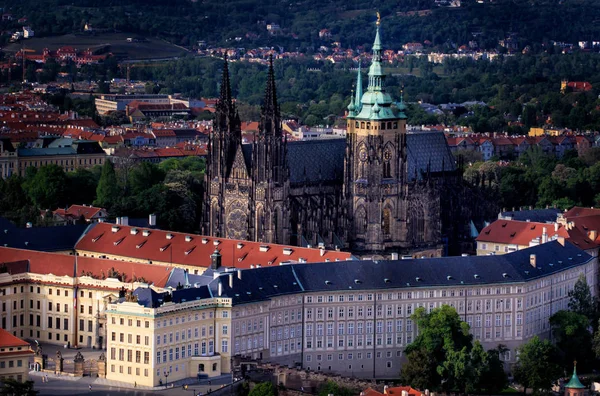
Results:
x,y
593,235
239,274
152,220
532,260
404,393
544,235
561,240
394,256
215,260
125,220
385,390
220,288
555,227
231,281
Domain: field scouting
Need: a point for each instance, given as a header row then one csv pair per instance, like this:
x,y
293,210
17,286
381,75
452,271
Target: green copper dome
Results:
x,y
375,104
574,383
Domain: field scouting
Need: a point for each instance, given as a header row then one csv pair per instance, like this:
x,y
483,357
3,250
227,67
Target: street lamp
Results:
x,y
166,373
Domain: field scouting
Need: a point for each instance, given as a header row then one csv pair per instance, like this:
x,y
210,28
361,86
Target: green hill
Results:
x,y
184,22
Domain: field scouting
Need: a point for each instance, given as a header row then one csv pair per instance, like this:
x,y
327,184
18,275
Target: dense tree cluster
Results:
x,y
444,357
173,189
539,179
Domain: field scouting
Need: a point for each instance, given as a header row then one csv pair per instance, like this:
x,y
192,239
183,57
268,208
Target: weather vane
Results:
x,y
378,19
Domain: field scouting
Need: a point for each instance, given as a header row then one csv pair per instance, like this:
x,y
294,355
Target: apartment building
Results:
x,y
14,357
354,317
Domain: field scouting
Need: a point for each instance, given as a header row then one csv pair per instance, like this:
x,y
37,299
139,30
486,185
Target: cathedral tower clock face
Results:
x,y
362,154
387,155
237,220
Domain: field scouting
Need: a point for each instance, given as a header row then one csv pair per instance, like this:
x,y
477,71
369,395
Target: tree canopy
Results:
x,y
530,373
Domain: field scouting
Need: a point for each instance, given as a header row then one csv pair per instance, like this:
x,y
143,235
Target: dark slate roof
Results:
x,y
322,160
151,299
428,149
177,277
536,215
33,152
259,284
191,294
148,297
45,239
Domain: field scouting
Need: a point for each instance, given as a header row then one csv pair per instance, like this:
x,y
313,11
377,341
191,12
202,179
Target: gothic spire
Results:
x,y
376,71
270,105
359,90
225,96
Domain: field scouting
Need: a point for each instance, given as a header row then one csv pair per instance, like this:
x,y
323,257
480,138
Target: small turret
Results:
x,y
215,260
574,387
351,106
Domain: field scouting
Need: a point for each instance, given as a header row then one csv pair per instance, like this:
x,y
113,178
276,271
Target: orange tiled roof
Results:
x,y
67,265
8,340
517,232
192,249
394,391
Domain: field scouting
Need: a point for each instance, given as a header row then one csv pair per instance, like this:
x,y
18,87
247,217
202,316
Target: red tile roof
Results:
x,y
192,249
88,212
394,391
17,261
8,340
578,211
517,232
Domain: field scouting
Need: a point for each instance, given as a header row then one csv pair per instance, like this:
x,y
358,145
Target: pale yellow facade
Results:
x,y
43,307
14,363
156,346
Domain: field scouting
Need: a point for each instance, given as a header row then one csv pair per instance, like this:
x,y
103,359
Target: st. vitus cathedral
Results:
x,y
379,189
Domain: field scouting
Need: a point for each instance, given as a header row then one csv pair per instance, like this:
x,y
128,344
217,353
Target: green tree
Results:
x,y
143,176
419,370
333,388
528,371
11,387
47,187
571,334
264,389
107,191
444,337
82,186
581,300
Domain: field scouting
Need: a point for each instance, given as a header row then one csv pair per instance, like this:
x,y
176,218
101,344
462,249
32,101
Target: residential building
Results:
x,y
14,357
8,158
579,226
74,213
70,155
575,86
140,111
110,102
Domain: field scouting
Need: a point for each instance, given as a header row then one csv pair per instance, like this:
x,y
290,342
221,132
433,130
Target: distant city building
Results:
x,y
27,32
575,86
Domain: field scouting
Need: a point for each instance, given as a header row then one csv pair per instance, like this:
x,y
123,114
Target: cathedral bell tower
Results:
x,y
375,162
270,172
223,142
